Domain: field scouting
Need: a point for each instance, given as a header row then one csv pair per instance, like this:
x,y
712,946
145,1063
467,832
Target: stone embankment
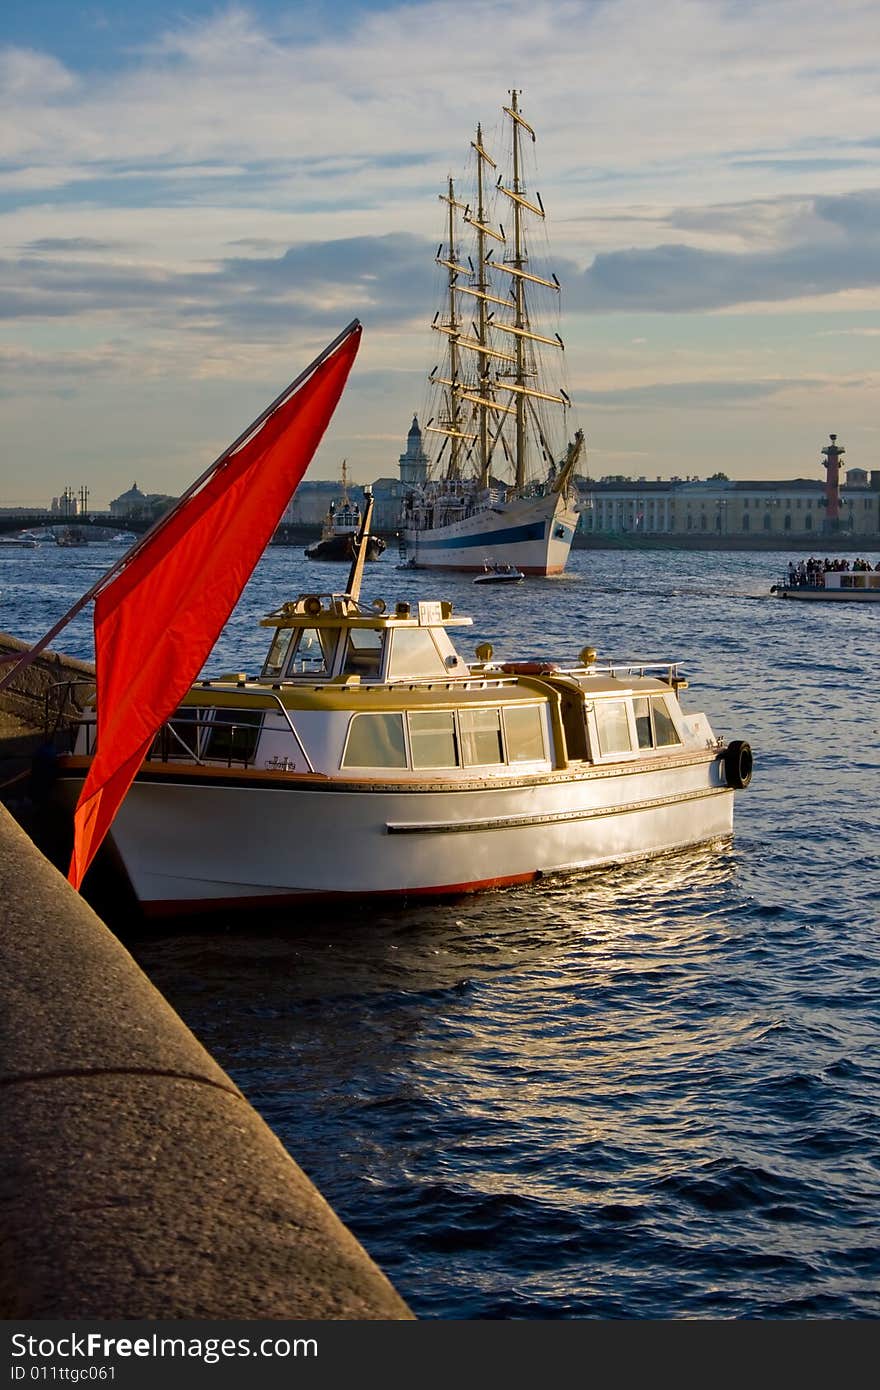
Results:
x,y
42,698
136,1181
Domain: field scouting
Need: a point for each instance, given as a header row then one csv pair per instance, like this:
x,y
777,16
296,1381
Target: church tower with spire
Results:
x,y
414,463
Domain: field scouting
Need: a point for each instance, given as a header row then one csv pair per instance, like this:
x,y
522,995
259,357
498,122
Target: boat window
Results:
x,y
363,651
375,740
524,728
613,727
642,711
480,731
233,735
414,654
277,657
313,654
665,731
432,738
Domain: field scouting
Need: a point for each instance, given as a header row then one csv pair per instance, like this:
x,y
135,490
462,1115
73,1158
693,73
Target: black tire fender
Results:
x,y
738,762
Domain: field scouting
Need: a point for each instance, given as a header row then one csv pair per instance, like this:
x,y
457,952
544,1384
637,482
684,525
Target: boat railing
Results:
x,y
63,705
619,670
181,735
666,670
812,580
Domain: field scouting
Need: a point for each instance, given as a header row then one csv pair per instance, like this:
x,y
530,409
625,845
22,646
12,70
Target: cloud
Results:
x,y
389,278
67,245
840,251
696,394
252,180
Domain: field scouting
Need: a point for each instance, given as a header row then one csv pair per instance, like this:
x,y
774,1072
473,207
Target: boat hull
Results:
x,y
534,534
343,548
817,595
199,840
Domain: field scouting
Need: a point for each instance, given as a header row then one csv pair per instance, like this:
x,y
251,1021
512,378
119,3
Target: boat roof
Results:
x,y
329,610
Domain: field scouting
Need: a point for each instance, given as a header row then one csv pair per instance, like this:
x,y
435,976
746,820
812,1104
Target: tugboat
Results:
x,y
71,536
370,758
340,531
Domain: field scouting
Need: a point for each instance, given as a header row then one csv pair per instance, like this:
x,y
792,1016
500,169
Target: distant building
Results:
x,y
413,463
800,509
68,504
131,503
389,492
135,505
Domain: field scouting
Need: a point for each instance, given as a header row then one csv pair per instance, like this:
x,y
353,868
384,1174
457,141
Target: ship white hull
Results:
x,y
532,533
191,842
817,595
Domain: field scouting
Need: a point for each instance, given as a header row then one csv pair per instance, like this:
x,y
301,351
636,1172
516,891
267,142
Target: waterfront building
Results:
x,y
720,509
135,505
130,503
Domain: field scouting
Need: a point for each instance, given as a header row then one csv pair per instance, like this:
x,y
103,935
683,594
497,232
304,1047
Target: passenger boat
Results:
x,y
371,758
834,586
340,530
501,477
495,572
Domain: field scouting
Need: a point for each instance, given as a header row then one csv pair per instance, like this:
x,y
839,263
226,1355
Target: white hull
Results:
x,y
532,533
187,842
810,595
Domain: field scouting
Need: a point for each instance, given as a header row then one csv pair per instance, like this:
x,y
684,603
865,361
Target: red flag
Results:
x,y
156,623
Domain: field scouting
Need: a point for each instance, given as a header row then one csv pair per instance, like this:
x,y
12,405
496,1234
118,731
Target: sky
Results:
x,y
196,198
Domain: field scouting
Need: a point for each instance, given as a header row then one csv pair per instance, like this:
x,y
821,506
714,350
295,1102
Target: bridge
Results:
x,y
38,521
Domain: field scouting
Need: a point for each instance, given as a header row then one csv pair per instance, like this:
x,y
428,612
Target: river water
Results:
x,y
642,1093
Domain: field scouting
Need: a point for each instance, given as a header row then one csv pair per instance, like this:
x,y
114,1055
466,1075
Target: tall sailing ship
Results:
x,y
500,483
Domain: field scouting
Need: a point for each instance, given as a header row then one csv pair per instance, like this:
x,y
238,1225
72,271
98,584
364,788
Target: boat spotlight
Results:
x,y
484,651
378,605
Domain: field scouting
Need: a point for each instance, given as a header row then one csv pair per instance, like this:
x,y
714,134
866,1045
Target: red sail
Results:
x,y
156,623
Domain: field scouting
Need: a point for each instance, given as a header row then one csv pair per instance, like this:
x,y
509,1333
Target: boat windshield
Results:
x,y
414,655
363,652
305,651
313,653
278,652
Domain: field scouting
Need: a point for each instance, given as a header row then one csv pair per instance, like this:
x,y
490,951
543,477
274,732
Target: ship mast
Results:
x,y
501,384
519,263
483,231
451,423
520,329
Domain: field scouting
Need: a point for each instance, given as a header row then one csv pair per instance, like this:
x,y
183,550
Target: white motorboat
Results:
x,y
499,572
369,758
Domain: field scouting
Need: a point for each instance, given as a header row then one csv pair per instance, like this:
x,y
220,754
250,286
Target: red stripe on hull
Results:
x,y
184,906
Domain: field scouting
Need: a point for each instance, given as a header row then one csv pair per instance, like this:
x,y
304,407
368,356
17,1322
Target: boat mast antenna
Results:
x,y
361,545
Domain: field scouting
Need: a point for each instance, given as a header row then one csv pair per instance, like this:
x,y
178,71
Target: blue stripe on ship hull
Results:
x,y
532,532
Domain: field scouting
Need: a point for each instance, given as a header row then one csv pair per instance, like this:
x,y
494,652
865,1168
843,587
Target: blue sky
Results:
x,y
195,198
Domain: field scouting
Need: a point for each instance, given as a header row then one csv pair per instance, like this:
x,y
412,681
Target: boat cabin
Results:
x,y
349,690
332,637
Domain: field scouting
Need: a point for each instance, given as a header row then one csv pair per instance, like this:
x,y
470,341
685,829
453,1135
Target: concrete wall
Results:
x,y
135,1179
23,706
